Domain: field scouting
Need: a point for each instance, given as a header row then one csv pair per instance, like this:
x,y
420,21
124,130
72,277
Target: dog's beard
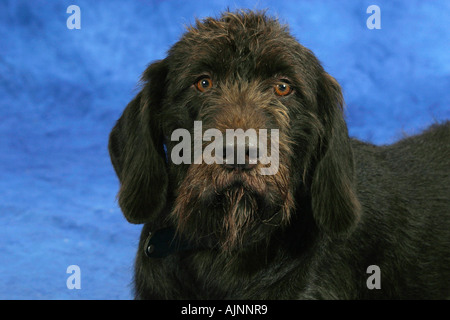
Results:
x,y
229,211
240,209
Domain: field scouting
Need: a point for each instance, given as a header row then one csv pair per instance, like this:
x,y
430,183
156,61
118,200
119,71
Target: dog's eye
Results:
x,y
283,89
203,84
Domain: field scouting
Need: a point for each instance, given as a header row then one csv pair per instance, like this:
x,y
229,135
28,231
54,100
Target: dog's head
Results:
x,y
241,71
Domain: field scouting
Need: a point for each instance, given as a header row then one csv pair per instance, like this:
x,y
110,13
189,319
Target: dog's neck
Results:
x,y
166,241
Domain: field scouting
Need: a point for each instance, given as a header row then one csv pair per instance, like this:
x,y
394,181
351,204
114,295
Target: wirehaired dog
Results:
x,y
338,219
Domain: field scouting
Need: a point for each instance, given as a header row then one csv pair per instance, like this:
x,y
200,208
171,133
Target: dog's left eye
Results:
x,y
283,89
203,84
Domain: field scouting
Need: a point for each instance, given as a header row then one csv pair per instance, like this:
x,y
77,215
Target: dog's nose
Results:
x,y
240,155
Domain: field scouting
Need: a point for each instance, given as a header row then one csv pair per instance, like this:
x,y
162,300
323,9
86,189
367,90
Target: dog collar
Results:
x,y
164,242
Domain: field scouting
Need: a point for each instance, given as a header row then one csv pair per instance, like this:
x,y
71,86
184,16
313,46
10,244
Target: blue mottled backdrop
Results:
x,y
61,91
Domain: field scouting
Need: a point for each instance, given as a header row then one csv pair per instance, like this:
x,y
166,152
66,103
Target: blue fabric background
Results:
x,y
61,91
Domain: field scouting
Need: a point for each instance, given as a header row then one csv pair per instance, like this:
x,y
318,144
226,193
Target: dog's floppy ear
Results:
x,y
334,202
136,150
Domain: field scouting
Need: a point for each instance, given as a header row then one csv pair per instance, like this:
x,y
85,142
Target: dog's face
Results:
x,y
242,71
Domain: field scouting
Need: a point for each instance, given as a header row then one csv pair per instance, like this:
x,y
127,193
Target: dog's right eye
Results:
x,y
204,84
283,89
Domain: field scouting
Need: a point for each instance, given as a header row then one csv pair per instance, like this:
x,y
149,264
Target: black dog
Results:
x,y
338,219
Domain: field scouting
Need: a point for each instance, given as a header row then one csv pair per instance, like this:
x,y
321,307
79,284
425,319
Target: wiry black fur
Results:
x,y
347,204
